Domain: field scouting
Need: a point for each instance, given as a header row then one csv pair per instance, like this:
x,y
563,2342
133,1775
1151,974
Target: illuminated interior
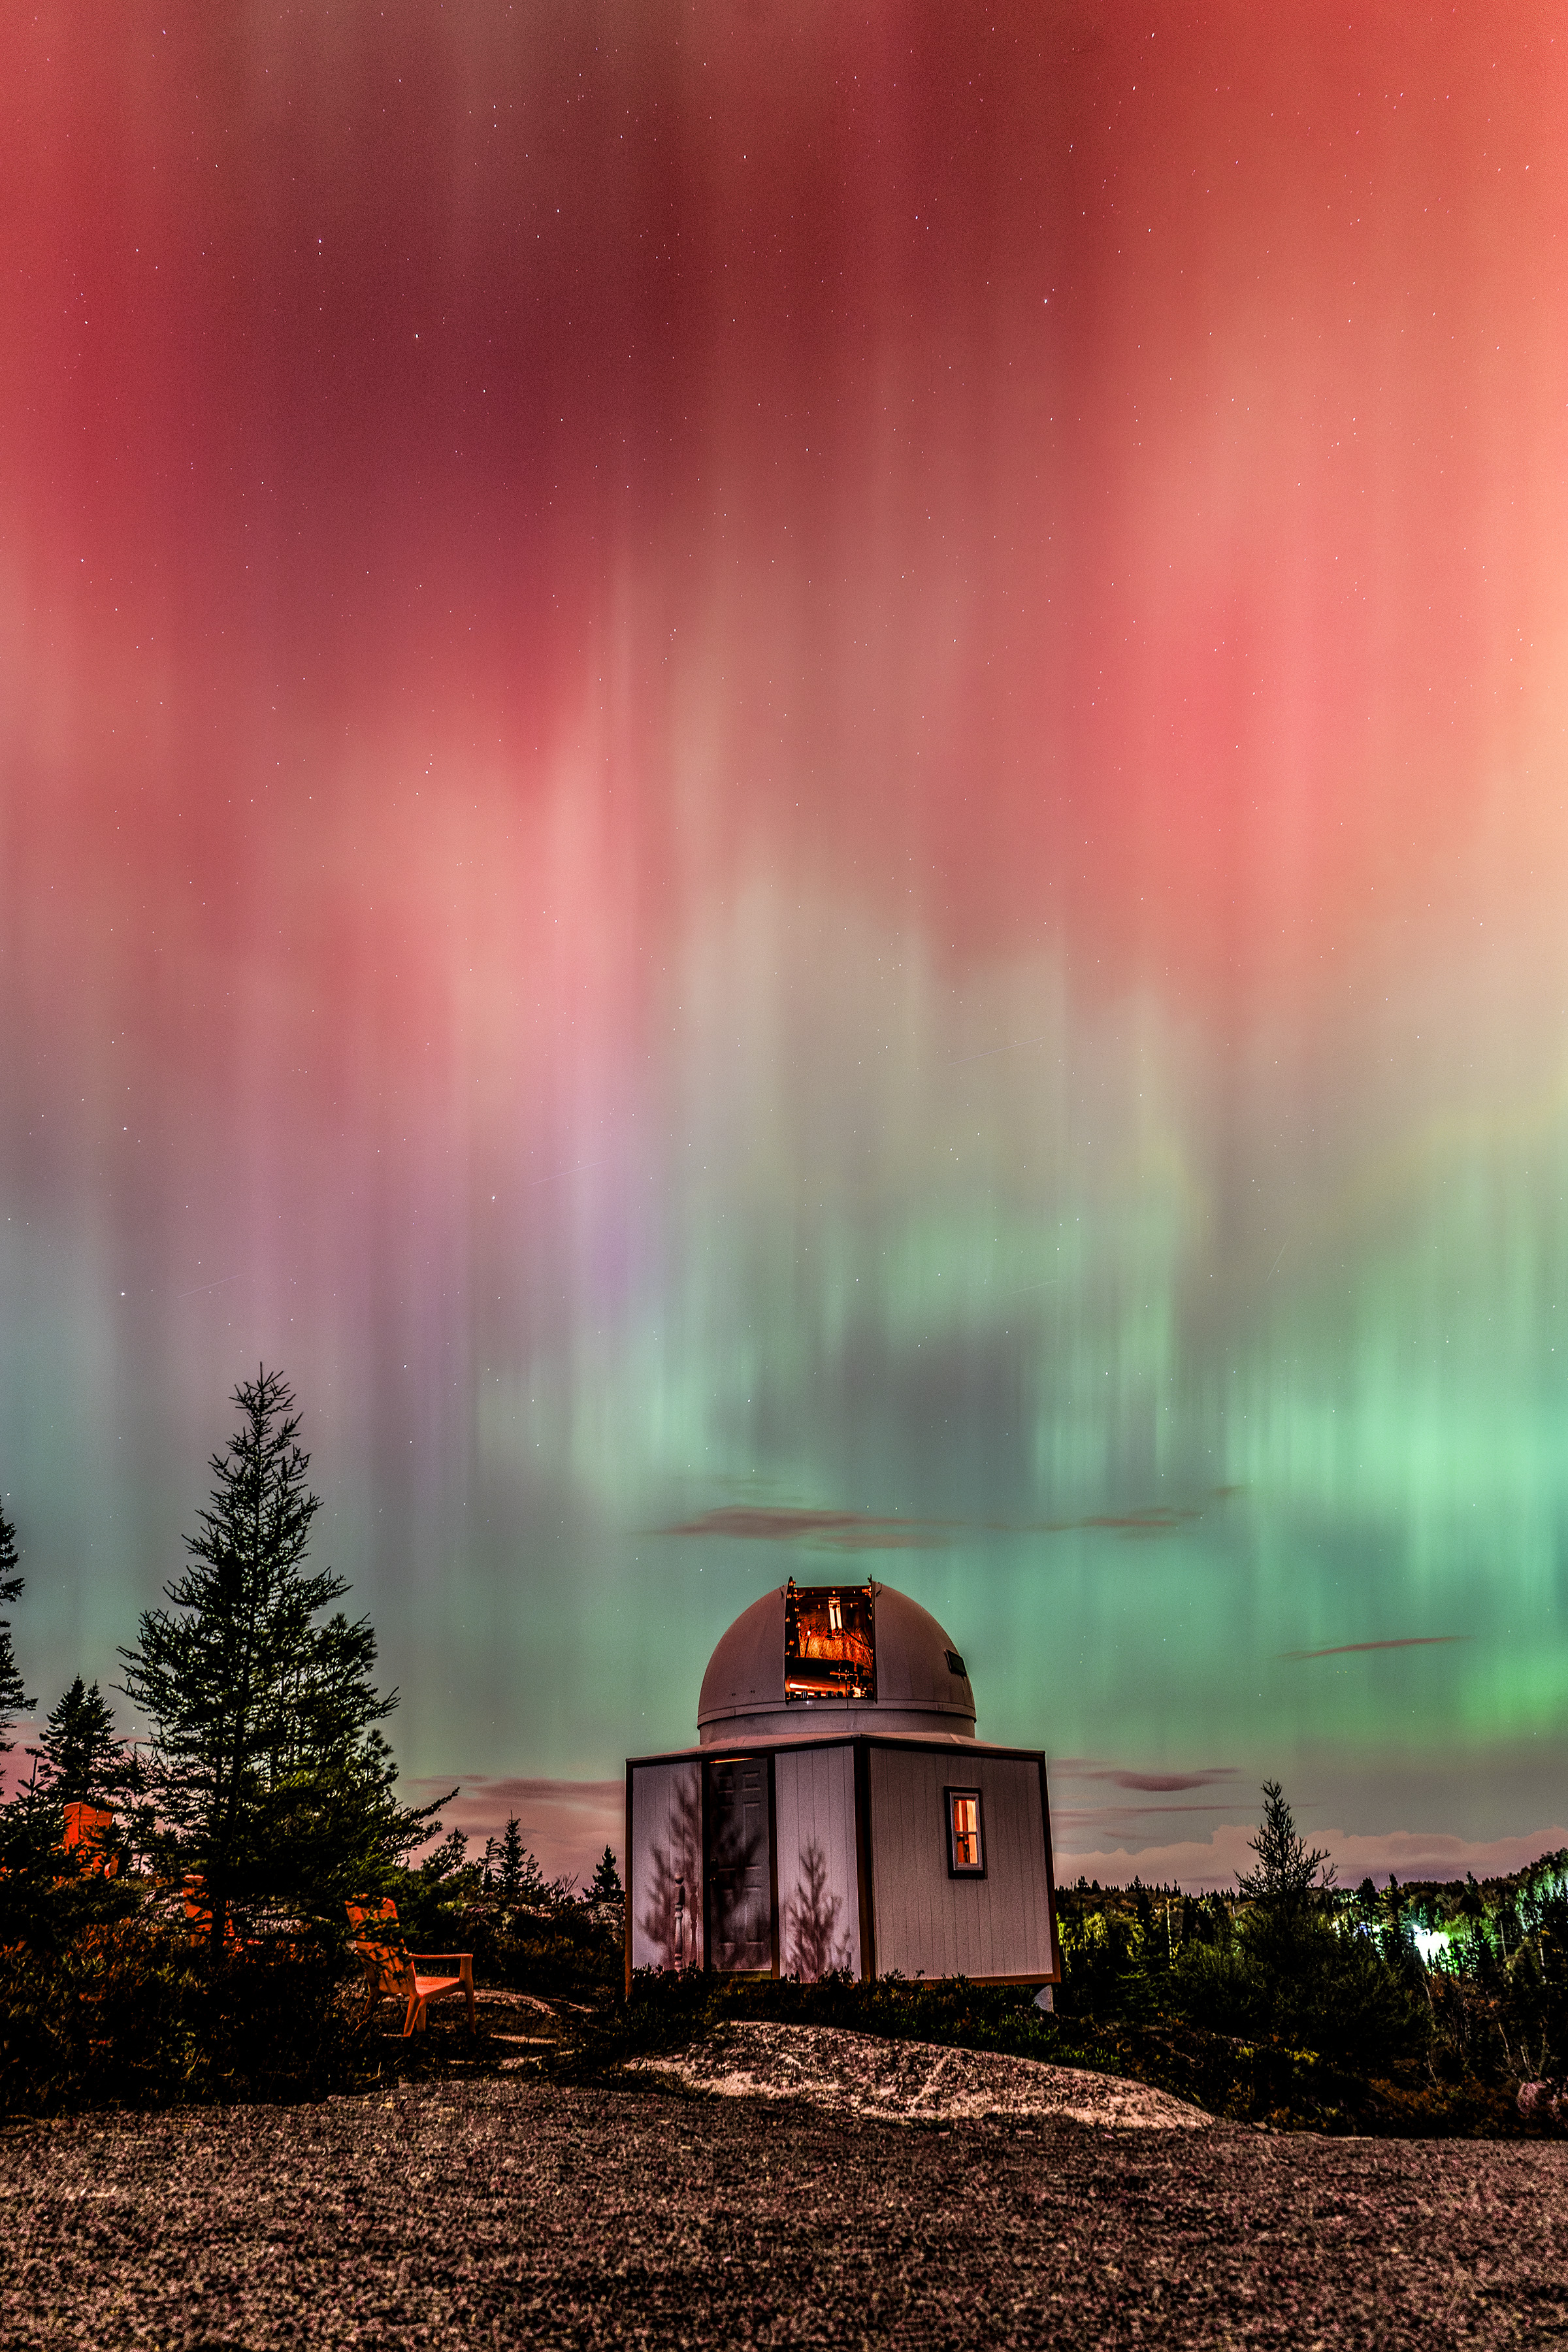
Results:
x,y
830,1641
965,1853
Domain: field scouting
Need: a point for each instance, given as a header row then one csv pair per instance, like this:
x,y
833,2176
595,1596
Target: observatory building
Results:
x,y
839,1813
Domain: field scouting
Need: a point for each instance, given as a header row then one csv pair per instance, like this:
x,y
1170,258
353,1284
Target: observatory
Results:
x,y
839,1812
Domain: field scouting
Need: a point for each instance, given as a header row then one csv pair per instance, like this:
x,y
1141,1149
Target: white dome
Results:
x,y
919,1682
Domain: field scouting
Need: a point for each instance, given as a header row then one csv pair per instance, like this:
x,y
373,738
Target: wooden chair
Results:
x,y
391,1968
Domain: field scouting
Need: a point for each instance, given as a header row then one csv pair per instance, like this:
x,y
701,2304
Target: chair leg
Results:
x,y
415,2015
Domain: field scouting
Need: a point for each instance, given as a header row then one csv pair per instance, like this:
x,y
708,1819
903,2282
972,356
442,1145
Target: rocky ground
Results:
x,y
899,2196
862,2075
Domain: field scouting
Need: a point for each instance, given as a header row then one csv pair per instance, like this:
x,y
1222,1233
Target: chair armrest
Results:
x,y
440,1959
386,1962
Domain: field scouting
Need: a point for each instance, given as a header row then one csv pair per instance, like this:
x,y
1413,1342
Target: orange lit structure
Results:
x,y
839,1813
87,1831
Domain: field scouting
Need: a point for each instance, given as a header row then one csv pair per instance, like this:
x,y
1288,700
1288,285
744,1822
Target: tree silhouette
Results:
x,y
85,1763
13,1700
267,1772
604,1886
1286,1869
814,1946
518,1877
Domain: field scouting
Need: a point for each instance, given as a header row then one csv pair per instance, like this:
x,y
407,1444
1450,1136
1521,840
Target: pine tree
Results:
x,y
604,1886
519,1878
13,1700
85,1763
508,1876
1396,1940
1286,1865
268,1775
30,1825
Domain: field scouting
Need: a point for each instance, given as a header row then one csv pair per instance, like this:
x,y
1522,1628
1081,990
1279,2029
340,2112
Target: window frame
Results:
x,y
956,1869
808,1682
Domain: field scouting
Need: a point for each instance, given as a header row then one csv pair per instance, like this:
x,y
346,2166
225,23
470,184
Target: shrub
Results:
x,y
523,1932
669,2008
1305,1981
121,2010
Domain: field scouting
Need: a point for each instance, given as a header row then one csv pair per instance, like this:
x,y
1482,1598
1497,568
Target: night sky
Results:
x,y
792,783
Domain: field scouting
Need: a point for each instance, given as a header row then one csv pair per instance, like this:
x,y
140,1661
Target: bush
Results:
x,y
570,1952
668,2010
1245,2078
1307,1981
125,2011
536,1939
1103,1954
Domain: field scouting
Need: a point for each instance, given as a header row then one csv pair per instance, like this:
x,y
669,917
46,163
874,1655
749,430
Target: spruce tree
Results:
x,y
85,1763
605,1884
13,1700
267,1773
1287,1867
519,1878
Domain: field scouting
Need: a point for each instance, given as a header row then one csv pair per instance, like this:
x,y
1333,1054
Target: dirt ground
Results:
x,y
879,2198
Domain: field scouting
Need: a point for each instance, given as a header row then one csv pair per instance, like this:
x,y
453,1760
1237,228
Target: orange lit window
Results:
x,y
830,1641
965,1842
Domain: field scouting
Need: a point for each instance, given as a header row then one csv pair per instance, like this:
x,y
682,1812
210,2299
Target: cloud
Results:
x,y
1401,1642
1141,1521
844,1530
1158,1784
1159,1519
565,1824
1118,1821
869,1531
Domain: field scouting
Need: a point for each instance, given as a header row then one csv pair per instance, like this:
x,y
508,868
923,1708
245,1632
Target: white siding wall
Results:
x,y
819,1900
926,1923
666,1865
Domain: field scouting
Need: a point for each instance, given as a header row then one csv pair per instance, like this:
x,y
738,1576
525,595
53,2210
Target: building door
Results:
x,y
739,1866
